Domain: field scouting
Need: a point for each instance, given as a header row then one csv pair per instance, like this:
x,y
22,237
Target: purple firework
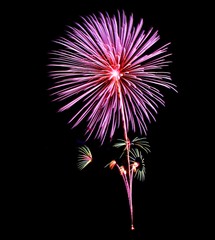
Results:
x,y
114,70
109,66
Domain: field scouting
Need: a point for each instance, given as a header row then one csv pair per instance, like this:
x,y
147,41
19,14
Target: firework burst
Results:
x,y
112,70
84,157
138,165
109,66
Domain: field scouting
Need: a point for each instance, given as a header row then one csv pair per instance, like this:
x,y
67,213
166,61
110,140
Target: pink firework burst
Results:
x,y
115,70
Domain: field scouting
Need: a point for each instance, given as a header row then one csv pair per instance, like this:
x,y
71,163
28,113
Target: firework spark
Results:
x,y
114,70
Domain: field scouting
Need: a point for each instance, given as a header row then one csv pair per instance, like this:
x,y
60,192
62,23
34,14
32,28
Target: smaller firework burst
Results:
x,y
84,157
137,164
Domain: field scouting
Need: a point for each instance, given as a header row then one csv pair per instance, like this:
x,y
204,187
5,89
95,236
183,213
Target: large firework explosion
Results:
x,y
115,70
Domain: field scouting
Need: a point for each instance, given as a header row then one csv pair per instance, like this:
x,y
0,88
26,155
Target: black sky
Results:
x,y
53,199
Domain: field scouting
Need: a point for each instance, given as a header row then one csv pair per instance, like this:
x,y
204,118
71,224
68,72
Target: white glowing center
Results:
x,y
116,74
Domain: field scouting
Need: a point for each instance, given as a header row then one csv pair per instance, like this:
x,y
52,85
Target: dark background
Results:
x,y
50,198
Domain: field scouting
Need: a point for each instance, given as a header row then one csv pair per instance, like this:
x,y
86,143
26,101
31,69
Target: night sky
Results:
x,y
55,200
